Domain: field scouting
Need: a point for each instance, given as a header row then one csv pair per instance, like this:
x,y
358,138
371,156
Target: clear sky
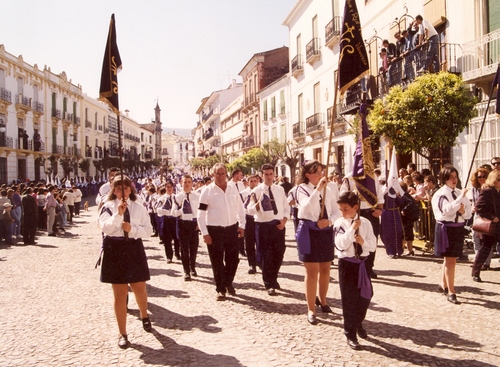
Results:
x,y
174,51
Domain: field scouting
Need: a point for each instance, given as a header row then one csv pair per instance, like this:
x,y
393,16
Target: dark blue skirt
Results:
x,y
123,262
322,247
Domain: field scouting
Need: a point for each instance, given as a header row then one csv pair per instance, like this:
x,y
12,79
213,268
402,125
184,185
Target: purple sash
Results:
x,y
441,243
302,235
364,283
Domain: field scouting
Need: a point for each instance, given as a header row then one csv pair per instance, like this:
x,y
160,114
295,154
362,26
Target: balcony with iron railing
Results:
x,y
38,107
298,130
56,113
23,102
480,57
57,149
88,124
5,95
339,125
206,116
332,31
6,141
314,124
401,72
312,50
247,142
297,65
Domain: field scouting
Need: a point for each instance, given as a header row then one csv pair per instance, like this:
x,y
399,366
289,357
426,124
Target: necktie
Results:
x,y
168,203
126,216
323,214
454,196
186,208
273,204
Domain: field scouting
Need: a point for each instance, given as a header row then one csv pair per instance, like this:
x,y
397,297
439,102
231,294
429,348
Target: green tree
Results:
x,y
426,117
254,158
287,152
84,165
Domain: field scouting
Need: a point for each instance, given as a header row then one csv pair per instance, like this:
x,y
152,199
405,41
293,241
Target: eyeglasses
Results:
x,y
481,176
495,163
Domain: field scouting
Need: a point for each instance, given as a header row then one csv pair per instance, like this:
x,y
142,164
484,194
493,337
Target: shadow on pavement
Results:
x,y
173,354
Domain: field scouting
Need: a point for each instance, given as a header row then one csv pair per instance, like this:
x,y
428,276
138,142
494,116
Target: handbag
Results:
x,y
485,226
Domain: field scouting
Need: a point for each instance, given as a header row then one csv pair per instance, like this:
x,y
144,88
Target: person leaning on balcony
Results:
x,y
488,207
451,209
428,34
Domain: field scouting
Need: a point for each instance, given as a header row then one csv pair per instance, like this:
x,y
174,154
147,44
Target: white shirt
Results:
x,y
280,201
309,203
445,207
103,193
166,212
244,194
431,31
222,208
78,195
111,222
240,187
181,200
344,237
70,198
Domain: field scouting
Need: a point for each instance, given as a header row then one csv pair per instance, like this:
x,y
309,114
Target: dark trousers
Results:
x,y
29,229
375,221
153,222
223,253
354,306
159,226
42,218
169,235
250,241
71,212
487,242
189,241
271,247
77,207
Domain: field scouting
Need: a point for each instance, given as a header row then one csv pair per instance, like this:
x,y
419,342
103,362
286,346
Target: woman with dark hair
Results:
x,y
315,234
488,207
477,181
124,260
451,209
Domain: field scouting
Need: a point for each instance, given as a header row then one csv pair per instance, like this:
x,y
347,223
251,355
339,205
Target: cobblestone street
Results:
x,y
55,312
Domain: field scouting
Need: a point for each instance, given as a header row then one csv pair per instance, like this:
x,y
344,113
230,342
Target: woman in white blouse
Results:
x,y
315,234
124,260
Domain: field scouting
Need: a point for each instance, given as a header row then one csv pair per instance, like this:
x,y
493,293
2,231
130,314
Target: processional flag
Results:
x,y
353,59
111,65
353,66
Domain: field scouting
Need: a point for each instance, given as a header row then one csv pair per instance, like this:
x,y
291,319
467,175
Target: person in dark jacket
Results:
x,y
29,218
488,207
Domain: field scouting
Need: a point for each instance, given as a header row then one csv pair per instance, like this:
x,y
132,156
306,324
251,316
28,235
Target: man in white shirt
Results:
x,y
169,233
428,34
252,257
219,213
78,200
236,177
186,206
270,207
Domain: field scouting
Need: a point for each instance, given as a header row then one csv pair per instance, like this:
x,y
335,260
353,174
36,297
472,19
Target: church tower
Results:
x,y
158,132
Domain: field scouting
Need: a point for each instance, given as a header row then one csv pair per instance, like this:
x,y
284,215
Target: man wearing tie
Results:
x,y
219,213
269,205
169,223
236,177
186,204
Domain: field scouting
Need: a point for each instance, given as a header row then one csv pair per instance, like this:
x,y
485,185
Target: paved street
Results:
x,y
55,312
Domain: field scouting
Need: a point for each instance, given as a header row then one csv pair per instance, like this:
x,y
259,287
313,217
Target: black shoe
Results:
x,y
169,261
353,344
362,333
312,319
373,275
187,277
392,256
453,299
317,302
220,296
411,253
477,278
271,291
326,309
442,290
123,342
194,273
252,270
52,235
230,289
154,235
178,257
146,324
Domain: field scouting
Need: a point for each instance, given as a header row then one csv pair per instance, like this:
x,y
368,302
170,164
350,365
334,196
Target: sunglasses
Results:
x,y
495,163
